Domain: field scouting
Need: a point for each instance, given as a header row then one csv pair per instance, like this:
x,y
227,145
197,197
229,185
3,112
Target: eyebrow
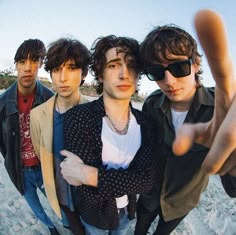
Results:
x,y
68,64
113,60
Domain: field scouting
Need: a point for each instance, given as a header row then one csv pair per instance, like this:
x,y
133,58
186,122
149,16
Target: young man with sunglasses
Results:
x,y
217,133
172,60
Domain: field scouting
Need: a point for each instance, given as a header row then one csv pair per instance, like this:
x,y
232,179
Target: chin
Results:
x,y
28,85
65,94
175,99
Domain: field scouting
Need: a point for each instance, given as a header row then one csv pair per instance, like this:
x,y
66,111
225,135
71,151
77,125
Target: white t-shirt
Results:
x,y
178,118
119,150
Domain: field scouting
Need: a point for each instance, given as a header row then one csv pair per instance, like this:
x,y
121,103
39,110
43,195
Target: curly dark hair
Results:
x,y
34,48
64,49
122,44
169,39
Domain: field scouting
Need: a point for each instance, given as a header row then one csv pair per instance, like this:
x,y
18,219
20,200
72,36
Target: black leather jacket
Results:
x,y
9,130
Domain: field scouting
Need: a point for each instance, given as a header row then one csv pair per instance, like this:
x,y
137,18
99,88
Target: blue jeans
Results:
x,y
32,179
121,230
64,219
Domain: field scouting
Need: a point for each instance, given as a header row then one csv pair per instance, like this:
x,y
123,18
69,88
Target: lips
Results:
x,y
27,76
64,87
173,91
124,86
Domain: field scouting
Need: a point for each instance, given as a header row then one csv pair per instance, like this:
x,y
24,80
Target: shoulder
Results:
x,y
205,95
78,118
157,94
137,113
3,99
156,98
83,99
84,107
141,117
3,96
9,95
43,90
80,111
211,90
206,89
9,90
44,107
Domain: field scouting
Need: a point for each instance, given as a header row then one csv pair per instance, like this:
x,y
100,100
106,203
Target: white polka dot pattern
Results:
x,y
82,132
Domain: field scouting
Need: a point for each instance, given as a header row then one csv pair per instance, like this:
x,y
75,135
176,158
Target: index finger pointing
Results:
x,y
211,33
212,36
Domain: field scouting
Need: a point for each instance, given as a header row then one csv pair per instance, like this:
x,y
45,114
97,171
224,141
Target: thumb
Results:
x,y
186,136
67,154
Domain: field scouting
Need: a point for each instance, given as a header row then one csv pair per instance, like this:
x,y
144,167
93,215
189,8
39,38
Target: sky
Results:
x,y
86,20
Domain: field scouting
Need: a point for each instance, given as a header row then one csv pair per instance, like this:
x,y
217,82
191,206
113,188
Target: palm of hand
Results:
x,y
219,134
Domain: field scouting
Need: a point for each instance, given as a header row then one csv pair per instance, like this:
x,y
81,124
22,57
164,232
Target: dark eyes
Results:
x,y
113,66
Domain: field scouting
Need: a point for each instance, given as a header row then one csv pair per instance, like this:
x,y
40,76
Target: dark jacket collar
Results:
x,y
203,96
11,99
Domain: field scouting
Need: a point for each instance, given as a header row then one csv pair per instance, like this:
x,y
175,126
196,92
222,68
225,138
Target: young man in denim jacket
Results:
x,y
21,162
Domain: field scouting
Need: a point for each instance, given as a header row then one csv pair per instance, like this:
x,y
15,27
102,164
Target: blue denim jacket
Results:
x,y
9,129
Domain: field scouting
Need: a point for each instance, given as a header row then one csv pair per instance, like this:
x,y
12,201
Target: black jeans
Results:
x,y
145,219
74,221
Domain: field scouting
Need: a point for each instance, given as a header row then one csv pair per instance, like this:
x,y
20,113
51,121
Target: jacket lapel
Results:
x,y
46,153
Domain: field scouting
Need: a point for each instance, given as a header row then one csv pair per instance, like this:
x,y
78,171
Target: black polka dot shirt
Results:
x,y
82,136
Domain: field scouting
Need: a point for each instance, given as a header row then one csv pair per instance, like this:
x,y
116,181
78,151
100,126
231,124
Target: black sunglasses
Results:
x,y
177,69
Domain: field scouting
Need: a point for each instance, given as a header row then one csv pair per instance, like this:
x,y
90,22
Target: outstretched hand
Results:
x,y
219,134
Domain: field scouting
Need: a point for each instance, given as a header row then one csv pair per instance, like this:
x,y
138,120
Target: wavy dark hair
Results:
x,y
64,49
169,39
34,48
129,46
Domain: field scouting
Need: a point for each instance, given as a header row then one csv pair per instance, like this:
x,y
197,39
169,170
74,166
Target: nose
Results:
x,y
62,75
169,78
124,72
28,65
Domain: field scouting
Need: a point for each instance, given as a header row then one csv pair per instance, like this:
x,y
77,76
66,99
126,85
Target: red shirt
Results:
x,y
28,155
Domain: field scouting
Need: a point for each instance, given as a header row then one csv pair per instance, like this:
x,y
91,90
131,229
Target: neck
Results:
x,y
65,103
117,109
181,106
26,91
118,115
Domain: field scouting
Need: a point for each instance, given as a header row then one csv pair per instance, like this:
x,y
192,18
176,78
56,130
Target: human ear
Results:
x,y
100,79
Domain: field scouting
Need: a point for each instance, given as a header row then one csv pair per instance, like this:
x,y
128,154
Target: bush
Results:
x,y
6,81
89,90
